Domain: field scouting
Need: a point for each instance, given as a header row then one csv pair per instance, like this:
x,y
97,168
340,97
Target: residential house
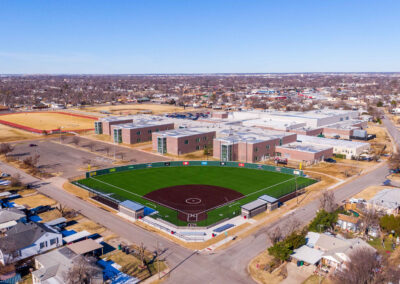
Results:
x,y
387,201
337,251
27,239
349,223
328,250
53,267
9,217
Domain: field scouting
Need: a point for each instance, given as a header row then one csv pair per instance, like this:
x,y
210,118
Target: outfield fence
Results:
x,y
270,168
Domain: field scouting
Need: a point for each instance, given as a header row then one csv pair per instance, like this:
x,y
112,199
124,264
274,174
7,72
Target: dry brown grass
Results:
x,y
26,192
382,139
369,192
394,177
34,200
314,279
340,171
130,264
257,272
50,215
9,134
49,121
135,108
76,190
88,225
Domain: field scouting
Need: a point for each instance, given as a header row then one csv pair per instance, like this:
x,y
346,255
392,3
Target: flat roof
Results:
x,y
330,142
254,204
132,205
141,124
84,246
251,137
56,221
77,236
184,132
307,254
115,118
268,198
305,147
5,193
7,224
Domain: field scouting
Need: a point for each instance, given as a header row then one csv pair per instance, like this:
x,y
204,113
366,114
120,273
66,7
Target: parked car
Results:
x,y
32,145
330,160
4,175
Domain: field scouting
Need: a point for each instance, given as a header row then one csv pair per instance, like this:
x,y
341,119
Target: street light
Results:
x,y
61,134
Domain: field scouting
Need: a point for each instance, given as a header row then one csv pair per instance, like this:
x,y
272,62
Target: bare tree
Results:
x,y
16,180
83,271
5,149
275,235
86,161
91,145
31,162
370,218
107,148
292,225
142,251
9,250
394,161
364,267
76,140
327,201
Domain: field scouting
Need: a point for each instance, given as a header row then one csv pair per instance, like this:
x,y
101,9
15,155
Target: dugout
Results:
x,y
253,208
272,202
132,209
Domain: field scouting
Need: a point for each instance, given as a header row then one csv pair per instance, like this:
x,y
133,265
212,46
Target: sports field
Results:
x,y
128,109
219,191
46,121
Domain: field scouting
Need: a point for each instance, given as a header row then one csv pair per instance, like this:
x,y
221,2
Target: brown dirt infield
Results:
x,y
193,198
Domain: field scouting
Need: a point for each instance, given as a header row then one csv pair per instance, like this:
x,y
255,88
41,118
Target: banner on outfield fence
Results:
x,y
196,163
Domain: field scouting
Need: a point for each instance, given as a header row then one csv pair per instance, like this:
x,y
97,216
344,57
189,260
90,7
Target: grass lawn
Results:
x,y
377,243
252,183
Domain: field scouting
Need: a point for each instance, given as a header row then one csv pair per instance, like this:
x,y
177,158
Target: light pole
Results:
x,y
158,261
60,134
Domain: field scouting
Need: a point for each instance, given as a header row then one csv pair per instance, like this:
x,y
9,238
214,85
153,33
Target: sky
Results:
x,y
203,36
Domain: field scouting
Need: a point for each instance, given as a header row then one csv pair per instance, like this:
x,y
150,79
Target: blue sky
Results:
x,y
178,36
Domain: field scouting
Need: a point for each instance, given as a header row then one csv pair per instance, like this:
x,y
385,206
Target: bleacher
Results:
x,y
223,228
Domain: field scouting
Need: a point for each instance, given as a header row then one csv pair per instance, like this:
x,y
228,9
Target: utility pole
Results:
x,y
297,194
158,261
60,134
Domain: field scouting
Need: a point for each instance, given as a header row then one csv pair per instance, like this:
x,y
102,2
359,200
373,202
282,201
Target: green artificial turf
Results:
x,y
250,182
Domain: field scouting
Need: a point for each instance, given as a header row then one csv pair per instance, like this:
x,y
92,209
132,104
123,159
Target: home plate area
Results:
x,y
192,201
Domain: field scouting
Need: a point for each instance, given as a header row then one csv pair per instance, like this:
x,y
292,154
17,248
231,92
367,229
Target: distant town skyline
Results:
x,y
193,37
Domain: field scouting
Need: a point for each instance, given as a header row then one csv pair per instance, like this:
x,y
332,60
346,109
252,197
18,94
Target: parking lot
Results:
x,y
70,160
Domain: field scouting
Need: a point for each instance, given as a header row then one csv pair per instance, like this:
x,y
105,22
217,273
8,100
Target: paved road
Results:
x,y
225,266
393,131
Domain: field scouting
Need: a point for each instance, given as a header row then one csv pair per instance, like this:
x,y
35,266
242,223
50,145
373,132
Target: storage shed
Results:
x,y
132,209
272,202
253,208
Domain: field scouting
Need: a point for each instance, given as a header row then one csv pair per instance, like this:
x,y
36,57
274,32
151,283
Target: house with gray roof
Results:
x,y
52,267
9,217
27,239
328,250
387,200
